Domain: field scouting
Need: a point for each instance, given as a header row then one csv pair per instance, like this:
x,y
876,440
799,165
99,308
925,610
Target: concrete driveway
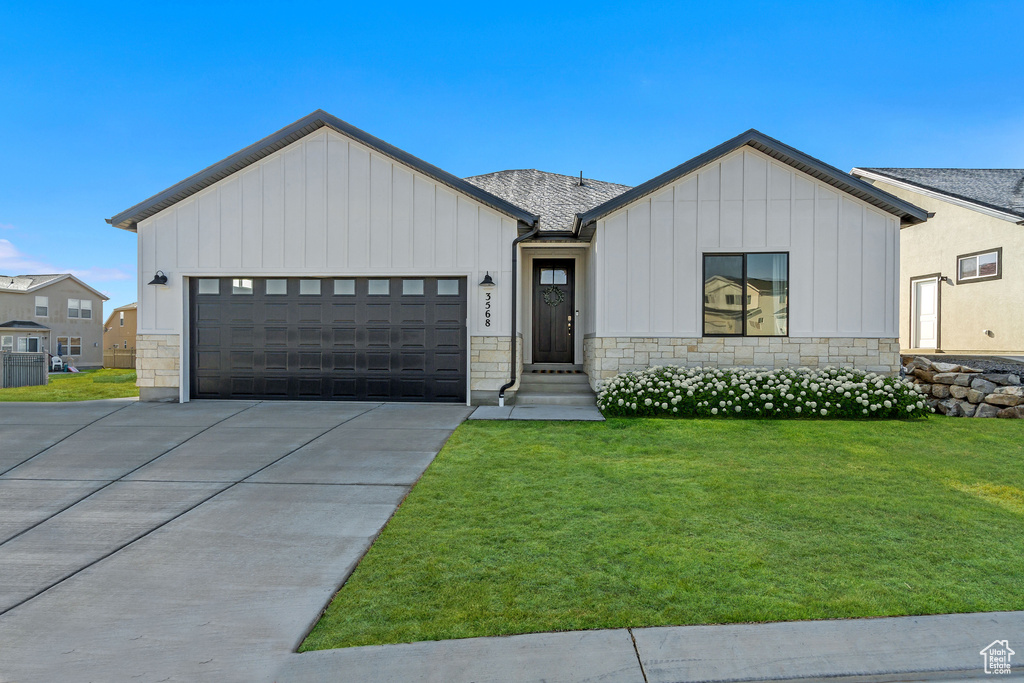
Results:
x,y
157,542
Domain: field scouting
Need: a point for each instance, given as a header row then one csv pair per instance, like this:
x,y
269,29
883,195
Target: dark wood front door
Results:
x,y
554,307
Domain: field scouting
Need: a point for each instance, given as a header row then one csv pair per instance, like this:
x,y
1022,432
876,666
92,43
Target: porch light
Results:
x,y
159,279
487,282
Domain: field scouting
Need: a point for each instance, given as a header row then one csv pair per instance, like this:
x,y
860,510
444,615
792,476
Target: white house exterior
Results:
x,y
323,263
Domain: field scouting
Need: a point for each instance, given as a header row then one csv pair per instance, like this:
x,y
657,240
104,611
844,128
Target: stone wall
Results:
x,y
489,365
605,357
157,366
963,391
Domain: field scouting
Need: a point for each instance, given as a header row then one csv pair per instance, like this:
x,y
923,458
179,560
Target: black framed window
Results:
x,y
980,266
746,295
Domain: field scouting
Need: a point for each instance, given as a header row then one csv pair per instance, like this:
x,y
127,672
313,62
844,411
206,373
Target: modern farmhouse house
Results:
x,y
324,263
963,273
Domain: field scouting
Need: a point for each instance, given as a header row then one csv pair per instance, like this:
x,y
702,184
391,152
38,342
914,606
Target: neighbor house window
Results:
x,y
121,319
746,295
42,306
125,343
7,342
86,307
28,344
74,307
980,266
69,346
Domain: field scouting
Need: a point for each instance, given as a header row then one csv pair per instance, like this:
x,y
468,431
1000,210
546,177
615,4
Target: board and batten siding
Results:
x,y
843,252
325,206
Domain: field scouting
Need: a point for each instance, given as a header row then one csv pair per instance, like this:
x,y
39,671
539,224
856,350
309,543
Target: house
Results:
x,y
961,271
56,314
120,329
324,263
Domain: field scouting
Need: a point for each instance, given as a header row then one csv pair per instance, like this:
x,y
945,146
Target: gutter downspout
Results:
x,y
515,267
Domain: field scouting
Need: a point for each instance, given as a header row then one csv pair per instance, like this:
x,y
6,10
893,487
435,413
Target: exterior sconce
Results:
x,y
159,279
945,278
487,282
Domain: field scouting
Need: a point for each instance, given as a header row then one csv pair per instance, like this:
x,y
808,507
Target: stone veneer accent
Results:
x,y
605,357
157,364
489,362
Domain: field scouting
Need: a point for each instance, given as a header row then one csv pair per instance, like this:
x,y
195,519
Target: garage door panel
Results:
x,y
347,343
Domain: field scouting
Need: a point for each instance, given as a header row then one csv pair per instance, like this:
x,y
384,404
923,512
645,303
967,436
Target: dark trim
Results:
x,y
129,219
938,307
988,278
743,299
515,264
907,212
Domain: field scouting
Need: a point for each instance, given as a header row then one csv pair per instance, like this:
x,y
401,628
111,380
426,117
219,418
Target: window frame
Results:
x,y
998,251
122,319
82,308
743,295
77,309
6,345
46,306
65,341
26,340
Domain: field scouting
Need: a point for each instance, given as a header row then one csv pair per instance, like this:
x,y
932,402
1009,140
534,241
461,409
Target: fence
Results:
x,y
119,358
24,369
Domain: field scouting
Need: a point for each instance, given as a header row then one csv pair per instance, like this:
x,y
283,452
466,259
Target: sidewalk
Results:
x,y
939,648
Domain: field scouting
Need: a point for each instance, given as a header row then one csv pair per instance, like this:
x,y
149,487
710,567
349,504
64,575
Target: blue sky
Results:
x,y
103,105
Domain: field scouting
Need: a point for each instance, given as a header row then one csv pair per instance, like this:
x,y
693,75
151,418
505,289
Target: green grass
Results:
x,y
524,527
87,385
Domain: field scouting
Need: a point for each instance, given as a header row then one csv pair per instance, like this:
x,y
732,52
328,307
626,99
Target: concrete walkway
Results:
x,y
538,412
195,542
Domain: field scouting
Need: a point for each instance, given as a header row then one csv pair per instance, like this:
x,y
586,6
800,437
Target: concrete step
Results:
x,y
555,380
547,398
552,368
584,388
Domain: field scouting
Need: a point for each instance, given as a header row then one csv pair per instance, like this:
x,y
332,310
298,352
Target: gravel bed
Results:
x,y
989,364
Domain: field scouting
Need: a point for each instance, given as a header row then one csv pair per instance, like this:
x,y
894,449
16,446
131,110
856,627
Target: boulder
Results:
x,y
944,377
918,363
940,390
983,385
975,396
950,408
957,391
1005,379
925,375
944,367
968,409
1003,399
1015,412
924,388
964,368
985,410
962,379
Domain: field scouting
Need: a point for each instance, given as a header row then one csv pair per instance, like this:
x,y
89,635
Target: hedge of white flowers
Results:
x,y
801,392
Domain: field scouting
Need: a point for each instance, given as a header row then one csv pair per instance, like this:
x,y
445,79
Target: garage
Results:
x,y
330,339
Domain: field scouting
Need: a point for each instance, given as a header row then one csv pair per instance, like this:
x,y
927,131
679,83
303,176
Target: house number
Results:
x,y
487,310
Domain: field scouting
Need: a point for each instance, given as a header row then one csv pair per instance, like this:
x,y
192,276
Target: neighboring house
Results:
x,y
120,329
58,314
961,274
324,263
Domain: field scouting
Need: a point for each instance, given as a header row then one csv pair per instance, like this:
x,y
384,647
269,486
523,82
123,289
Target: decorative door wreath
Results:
x,y
553,296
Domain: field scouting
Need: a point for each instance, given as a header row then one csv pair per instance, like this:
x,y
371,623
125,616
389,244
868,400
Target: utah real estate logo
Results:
x,y
997,657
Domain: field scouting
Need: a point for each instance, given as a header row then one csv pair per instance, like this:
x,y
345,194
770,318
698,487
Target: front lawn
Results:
x,y
87,385
522,527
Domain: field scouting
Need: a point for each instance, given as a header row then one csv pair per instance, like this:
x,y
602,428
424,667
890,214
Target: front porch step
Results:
x,y
552,369
580,380
555,398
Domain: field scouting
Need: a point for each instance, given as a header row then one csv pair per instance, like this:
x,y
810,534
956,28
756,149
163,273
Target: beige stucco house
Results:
x,y
120,329
962,272
56,314
324,263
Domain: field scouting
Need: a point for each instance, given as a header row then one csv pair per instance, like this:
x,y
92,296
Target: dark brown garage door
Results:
x,y
386,339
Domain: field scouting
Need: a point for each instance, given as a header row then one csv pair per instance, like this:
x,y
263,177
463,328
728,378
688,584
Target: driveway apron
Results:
x,y
156,542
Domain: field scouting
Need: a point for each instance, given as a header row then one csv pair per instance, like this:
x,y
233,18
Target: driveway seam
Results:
x,y
88,424
168,521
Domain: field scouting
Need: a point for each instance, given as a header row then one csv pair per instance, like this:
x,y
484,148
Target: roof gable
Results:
x,y
25,284
907,212
993,191
129,218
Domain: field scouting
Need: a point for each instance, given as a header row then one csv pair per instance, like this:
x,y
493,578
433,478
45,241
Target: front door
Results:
x,y
554,304
926,313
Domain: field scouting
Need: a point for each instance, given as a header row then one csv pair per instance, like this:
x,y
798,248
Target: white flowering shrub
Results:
x,y
801,392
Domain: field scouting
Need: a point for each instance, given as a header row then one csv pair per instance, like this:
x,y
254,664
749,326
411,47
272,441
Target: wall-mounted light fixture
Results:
x,y
159,279
487,282
945,278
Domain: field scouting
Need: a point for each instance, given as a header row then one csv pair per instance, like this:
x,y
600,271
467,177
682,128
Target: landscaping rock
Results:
x,y
975,396
940,390
985,410
950,407
925,389
983,385
1015,412
944,377
944,367
957,391
964,368
968,409
1005,379
926,375
1003,399
918,363
962,380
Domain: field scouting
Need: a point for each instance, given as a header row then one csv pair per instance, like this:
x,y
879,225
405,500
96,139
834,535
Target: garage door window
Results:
x,y
277,287
241,286
309,287
447,287
209,286
380,287
344,288
412,287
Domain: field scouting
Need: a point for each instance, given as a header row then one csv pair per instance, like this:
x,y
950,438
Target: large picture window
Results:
x,y
746,295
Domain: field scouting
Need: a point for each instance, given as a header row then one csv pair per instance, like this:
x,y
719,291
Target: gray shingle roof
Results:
x,y
556,198
23,283
996,188
22,325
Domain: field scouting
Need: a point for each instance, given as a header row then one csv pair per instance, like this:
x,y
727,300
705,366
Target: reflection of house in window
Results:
x,y
760,310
